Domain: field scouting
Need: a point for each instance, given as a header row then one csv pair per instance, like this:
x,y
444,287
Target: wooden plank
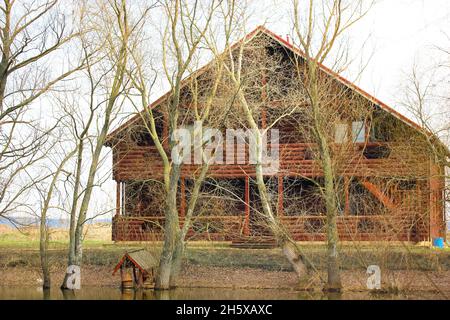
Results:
x,y
347,196
280,195
435,202
183,198
246,228
117,198
384,199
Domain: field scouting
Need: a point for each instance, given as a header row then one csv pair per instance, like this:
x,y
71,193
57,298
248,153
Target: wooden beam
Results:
x,y
384,199
117,198
280,195
435,202
347,196
246,228
122,205
183,198
264,118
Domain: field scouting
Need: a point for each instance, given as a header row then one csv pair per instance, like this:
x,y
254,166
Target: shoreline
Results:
x,y
205,277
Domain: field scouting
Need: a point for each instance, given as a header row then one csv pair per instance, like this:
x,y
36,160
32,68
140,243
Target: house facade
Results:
x,y
389,185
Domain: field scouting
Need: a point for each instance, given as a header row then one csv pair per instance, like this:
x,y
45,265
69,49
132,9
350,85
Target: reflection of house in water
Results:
x,y
388,185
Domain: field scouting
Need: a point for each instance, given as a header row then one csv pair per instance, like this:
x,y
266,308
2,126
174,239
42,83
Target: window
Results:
x,y
381,131
358,131
341,133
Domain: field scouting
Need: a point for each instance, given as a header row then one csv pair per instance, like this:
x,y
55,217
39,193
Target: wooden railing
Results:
x,y
374,227
301,228
127,228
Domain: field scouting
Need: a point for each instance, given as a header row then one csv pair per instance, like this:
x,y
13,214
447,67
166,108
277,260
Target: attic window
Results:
x,y
358,131
142,138
341,133
377,152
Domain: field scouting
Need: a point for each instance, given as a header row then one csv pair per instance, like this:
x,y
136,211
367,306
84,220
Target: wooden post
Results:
x,y
264,118
435,202
183,198
122,190
280,196
347,196
246,229
368,127
117,198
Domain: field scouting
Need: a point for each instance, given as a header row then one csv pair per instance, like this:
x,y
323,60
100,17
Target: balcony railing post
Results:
x,y
246,229
280,196
117,198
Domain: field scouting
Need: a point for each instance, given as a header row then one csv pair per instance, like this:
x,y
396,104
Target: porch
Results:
x,y
230,209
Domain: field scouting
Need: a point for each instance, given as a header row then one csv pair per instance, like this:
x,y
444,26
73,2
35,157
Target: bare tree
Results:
x,y
46,191
181,40
32,35
109,38
318,29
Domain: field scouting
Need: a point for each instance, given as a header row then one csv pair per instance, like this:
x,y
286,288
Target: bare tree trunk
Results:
x,y
295,258
319,127
171,229
177,261
309,20
43,229
180,244
334,278
43,252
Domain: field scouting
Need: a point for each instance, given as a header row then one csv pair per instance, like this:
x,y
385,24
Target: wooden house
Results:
x,y
390,165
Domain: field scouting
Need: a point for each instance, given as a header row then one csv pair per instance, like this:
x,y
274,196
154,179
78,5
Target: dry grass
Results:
x,y
99,233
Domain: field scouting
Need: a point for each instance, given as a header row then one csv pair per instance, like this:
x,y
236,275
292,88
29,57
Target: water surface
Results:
x,y
108,293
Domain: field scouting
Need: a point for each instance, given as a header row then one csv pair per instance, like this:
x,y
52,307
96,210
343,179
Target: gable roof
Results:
x,y
141,258
287,45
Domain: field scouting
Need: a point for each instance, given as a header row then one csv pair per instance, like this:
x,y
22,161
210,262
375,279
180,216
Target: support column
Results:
x,y
280,196
347,195
122,190
246,228
117,198
264,118
183,198
435,203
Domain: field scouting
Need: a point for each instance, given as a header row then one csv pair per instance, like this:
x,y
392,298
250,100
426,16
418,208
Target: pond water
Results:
x,y
108,293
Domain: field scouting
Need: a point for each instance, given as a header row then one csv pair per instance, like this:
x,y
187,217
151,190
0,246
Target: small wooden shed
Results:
x,y
137,269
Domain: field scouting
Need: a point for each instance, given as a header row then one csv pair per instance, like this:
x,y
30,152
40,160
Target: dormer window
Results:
x,y
341,133
358,132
